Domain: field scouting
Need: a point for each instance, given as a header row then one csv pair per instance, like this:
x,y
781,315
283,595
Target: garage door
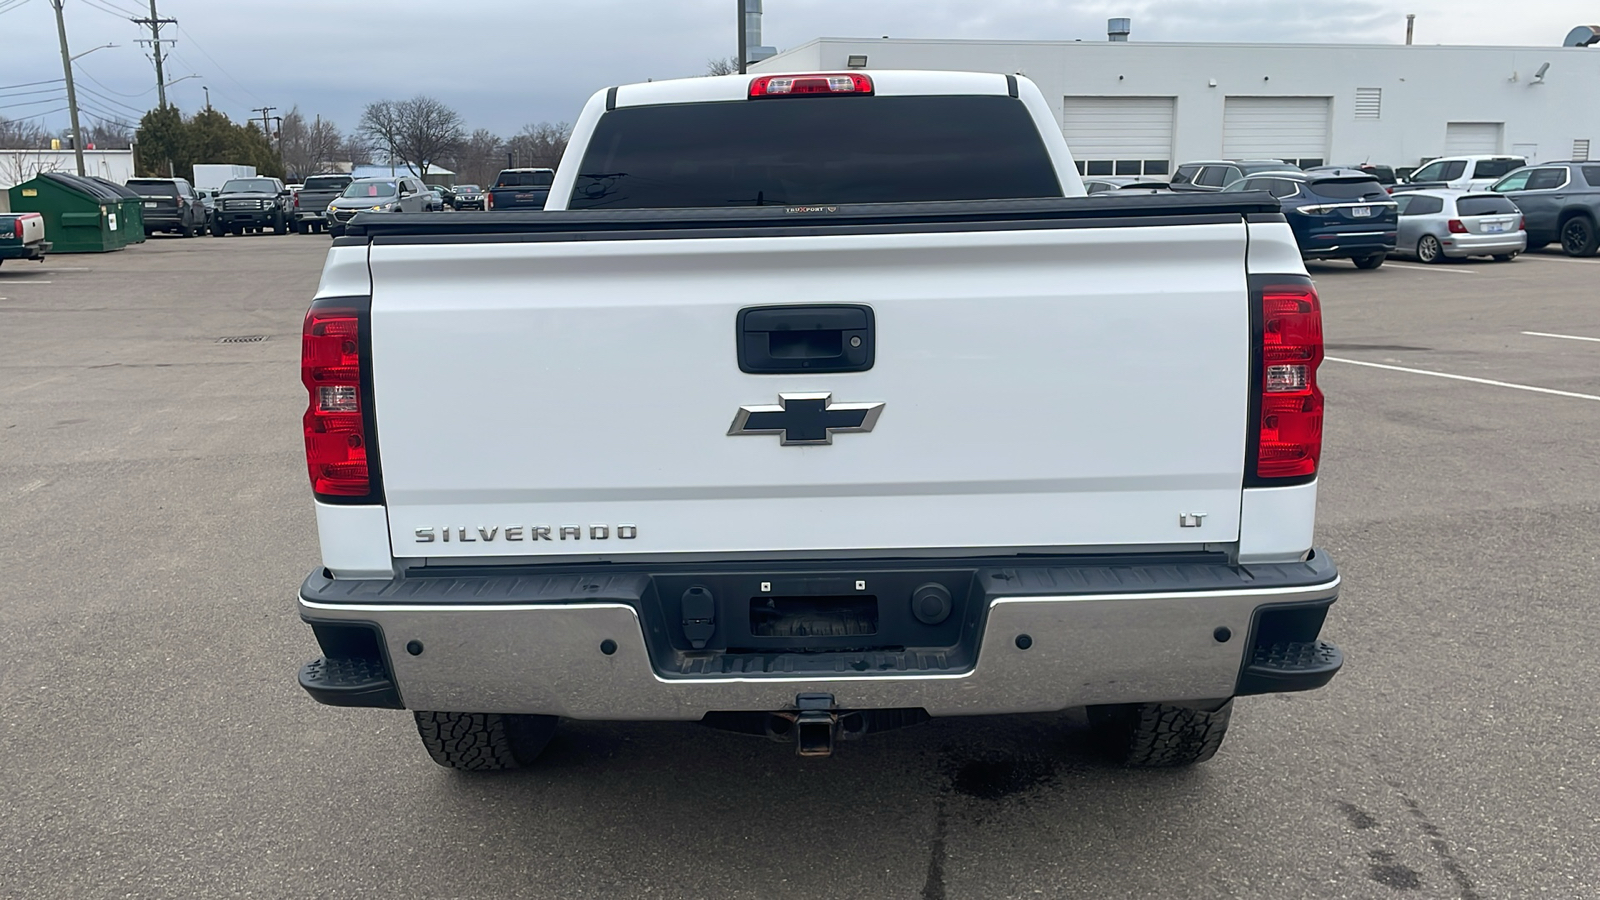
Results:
x,y
1464,138
1119,135
1293,129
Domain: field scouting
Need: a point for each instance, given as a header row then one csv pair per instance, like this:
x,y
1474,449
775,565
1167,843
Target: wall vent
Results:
x,y
1369,103
1580,149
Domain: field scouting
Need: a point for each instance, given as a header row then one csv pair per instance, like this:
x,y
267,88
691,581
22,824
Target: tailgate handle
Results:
x,y
779,340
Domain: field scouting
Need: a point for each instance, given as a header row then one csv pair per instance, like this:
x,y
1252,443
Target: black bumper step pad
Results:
x,y
353,681
1290,666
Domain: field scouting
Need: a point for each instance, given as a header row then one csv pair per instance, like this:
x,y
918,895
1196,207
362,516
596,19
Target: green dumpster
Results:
x,y
130,225
80,215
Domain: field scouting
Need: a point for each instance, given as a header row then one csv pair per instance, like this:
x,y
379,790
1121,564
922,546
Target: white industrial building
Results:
x,y
1134,108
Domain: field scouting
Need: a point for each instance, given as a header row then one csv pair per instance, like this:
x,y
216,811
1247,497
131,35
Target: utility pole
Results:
x,y
72,94
743,50
266,130
155,22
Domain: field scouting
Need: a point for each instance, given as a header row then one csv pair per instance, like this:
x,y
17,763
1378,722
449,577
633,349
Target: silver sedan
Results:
x,y
1440,224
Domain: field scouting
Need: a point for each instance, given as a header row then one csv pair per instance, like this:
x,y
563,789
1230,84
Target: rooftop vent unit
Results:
x,y
754,50
1583,36
1118,29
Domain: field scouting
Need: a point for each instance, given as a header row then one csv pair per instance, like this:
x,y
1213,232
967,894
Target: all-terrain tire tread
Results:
x,y
1159,735
474,742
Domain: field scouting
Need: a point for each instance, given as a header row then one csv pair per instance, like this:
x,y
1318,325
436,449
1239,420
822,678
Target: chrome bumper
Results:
x,y
1460,245
1079,649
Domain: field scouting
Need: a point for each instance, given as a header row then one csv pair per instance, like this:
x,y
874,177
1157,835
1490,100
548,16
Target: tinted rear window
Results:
x,y
1484,206
1350,189
525,179
814,150
1494,168
326,183
154,188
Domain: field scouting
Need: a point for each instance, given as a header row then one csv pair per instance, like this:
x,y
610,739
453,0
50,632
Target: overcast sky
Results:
x,y
504,63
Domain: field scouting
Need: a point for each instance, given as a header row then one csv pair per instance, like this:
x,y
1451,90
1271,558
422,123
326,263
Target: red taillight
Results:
x,y
800,85
336,434
1290,428
297,201
17,226
488,200
1522,223
1456,227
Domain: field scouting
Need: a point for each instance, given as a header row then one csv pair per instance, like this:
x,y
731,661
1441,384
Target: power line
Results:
x,y
7,95
84,72
104,99
7,87
48,112
11,6
55,99
198,46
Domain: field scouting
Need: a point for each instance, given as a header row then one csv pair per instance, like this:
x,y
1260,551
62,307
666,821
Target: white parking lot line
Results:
x,y
1395,265
1565,337
1488,381
9,281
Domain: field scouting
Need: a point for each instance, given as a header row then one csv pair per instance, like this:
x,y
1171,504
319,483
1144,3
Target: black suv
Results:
x,y
1560,201
170,204
252,204
1338,214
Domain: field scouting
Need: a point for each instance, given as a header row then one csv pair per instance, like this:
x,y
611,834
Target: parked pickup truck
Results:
x,y
519,189
811,439
22,236
310,206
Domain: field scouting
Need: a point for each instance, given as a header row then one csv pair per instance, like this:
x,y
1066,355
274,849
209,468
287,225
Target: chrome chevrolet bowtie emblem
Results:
x,y
806,418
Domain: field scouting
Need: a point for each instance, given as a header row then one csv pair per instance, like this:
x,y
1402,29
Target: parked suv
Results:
x,y
1462,173
468,196
1340,214
401,193
1561,201
170,204
1216,174
1436,225
251,204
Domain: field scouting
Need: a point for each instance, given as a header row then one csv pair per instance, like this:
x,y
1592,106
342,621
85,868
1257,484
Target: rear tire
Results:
x,y
1579,237
1368,262
217,230
1504,257
1159,735
484,742
1429,249
1539,246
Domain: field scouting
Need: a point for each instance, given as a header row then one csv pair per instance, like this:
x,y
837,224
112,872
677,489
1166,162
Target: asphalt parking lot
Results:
x,y
157,522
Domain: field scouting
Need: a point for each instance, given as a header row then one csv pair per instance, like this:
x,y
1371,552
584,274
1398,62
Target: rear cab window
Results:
x,y
1494,168
326,183
525,179
805,151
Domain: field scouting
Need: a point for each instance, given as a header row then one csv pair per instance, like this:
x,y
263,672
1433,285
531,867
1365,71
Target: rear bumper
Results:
x,y
1045,638
1347,246
35,250
1460,245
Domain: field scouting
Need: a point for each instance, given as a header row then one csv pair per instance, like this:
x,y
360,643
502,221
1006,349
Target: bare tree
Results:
x,y
20,134
479,158
109,134
308,147
356,149
417,132
723,65
540,144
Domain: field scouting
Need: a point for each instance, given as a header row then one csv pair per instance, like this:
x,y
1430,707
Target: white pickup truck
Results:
x,y
815,405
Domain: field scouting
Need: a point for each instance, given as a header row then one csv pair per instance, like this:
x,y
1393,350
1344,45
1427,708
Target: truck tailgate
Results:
x,y
1042,388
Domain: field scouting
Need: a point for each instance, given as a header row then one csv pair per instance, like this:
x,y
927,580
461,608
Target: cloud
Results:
x,y
505,63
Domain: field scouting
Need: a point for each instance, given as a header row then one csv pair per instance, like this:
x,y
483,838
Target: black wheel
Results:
x,y
484,742
279,224
1429,249
217,230
336,230
1578,236
1505,257
1537,246
1368,262
1160,735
